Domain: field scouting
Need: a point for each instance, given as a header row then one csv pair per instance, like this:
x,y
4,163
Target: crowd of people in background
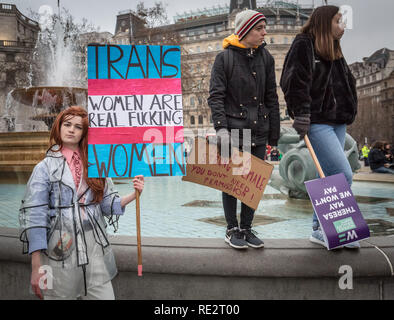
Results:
x,y
379,157
273,154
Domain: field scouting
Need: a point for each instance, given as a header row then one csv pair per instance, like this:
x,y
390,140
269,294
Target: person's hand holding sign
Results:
x,y
224,143
138,183
302,124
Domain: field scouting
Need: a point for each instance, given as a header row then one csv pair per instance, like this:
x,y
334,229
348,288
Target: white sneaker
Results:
x,y
317,237
353,245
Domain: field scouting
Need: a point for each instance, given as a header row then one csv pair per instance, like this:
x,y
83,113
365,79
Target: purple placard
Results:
x,y
337,210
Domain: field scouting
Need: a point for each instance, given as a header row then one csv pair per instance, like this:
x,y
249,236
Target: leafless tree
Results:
x,y
154,16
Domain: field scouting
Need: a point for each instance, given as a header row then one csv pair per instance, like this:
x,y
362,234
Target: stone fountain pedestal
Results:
x,y
46,102
19,153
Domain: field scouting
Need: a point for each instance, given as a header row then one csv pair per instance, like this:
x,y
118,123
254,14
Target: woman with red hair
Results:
x,y
62,217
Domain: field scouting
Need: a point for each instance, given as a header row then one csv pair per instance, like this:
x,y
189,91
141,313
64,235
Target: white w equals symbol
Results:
x,y
351,235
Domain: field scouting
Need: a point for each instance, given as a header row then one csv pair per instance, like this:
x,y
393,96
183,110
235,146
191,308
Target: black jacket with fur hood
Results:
x,y
248,100
311,85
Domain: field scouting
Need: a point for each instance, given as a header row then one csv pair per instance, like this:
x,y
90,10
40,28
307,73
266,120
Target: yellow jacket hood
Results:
x,y
232,41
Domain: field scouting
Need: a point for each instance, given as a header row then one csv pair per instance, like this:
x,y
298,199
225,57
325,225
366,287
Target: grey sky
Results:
x,y
373,24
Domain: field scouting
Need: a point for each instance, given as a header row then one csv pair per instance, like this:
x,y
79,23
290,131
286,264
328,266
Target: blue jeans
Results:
x,y
328,142
383,170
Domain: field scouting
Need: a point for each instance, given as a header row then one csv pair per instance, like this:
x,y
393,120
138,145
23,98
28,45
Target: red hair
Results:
x,y
96,184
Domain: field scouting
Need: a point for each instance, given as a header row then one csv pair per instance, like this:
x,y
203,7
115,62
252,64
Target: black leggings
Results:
x,y
230,202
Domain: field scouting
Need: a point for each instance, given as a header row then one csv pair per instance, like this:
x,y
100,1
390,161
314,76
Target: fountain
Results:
x,y
50,99
57,79
31,112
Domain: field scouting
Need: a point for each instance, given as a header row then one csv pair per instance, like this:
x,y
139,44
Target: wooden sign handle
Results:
x,y
315,160
138,222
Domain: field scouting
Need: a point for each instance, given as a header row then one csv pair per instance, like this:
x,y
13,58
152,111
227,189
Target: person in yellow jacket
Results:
x,y
365,151
243,97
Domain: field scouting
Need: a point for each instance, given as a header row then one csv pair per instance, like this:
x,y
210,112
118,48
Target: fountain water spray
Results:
x,y
57,77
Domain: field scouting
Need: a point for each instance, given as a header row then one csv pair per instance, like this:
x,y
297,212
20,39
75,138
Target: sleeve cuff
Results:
x,y
37,239
117,209
220,124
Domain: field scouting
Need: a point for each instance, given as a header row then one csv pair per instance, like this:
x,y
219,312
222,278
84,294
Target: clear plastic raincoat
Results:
x,y
68,227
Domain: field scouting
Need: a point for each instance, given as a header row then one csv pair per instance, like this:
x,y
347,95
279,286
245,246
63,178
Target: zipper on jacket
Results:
x,y
251,52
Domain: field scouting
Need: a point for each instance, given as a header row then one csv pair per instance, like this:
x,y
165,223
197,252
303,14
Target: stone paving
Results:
x,y
365,174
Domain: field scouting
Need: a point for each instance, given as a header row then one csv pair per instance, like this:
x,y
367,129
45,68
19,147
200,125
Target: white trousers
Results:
x,y
102,292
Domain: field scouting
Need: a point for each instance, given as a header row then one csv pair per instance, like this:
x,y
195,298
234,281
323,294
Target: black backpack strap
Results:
x,y
263,53
228,63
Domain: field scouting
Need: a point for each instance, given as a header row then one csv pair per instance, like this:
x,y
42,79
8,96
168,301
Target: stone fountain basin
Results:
x,y
54,97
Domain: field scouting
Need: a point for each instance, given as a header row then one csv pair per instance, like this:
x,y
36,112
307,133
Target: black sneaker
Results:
x,y
235,238
251,239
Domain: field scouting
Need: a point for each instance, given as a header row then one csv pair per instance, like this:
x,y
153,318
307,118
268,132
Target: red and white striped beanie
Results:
x,y
245,21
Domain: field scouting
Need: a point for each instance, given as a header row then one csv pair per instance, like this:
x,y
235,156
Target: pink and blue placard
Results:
x,y
135,111
337,210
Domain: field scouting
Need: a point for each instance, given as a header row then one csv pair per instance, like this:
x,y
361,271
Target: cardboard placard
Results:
x,y
336,208
243,176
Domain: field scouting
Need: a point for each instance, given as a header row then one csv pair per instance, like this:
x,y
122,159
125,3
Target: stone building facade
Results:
x,y
18,35
375,91
201,35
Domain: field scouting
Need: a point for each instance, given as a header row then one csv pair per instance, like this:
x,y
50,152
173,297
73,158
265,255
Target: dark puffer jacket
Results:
x,y
376,158
248,100
324,89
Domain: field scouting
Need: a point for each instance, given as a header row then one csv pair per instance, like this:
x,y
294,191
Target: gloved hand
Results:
x,y
301,124
223,142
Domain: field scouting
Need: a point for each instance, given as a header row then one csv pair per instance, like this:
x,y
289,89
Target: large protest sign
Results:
x,y
135,111
244,176
337,210
135,114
